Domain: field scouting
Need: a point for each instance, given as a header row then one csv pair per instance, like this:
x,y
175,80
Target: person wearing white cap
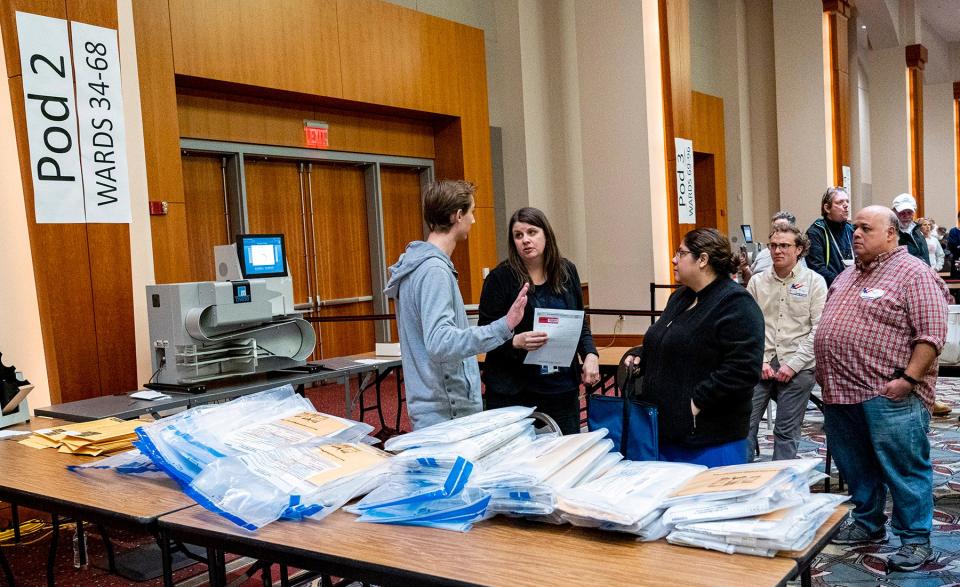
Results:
x,y
905,207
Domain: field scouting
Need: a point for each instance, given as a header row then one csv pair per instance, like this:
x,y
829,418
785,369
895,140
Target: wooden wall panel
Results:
x,y
916,56
273,206
343,256
110,267
837,17
707,135
60,258
208,115
380,57
284,44
8,23
675,77
337,339
205,213
170,244
402,215
161,137
88,335
389,57
340,226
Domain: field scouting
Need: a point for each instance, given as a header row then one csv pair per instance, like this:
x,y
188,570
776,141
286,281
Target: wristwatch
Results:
x,y
902,374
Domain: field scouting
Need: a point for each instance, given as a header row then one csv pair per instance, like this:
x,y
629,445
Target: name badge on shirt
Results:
x,y
871,293
798,290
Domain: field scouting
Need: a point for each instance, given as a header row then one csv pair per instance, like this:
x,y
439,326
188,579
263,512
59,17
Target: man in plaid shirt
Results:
x,y
884,323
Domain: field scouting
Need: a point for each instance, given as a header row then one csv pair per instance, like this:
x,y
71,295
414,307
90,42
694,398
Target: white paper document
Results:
x,y
149,394
563,334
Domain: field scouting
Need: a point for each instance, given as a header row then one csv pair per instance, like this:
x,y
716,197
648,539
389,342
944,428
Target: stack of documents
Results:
x,y
258,458
517,470
627,498
307,481
96,438
426,499
791,528
757,508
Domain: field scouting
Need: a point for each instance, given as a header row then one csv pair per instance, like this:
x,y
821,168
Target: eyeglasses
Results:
x,y
680,253
784,246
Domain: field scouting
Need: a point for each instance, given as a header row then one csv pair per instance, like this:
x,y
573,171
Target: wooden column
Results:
x,y
956,136
838,15
677,98
82,271
916,59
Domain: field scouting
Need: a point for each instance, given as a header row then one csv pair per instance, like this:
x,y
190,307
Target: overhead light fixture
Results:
x,y
863,26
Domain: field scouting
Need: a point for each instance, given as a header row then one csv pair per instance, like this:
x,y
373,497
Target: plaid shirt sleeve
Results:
x,y
926,303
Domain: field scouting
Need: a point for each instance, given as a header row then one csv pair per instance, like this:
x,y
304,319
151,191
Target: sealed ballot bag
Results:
x,y
307,481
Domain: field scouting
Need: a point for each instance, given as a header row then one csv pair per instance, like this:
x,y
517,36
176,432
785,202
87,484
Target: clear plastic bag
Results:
x,y
296,482
184,444
630,492
457,512
459,429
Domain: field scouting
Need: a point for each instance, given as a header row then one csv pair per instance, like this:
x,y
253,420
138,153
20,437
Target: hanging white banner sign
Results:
x,y
51,118
103,150
686,202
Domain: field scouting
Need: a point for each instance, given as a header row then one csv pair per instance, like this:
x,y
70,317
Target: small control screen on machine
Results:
x,y
262,255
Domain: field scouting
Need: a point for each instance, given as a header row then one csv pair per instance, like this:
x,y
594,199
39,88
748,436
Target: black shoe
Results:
x,y
910,557
853,533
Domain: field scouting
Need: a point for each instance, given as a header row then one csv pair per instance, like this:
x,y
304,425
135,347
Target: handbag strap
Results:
x,y
625,432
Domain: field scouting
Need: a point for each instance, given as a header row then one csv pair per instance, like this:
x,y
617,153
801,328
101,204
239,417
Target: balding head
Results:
x,y
875,232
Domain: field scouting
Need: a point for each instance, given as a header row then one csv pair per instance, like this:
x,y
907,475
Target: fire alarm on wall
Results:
x,y
158,208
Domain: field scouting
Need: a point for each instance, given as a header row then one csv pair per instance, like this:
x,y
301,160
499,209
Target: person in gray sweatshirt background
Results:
x,y
438,346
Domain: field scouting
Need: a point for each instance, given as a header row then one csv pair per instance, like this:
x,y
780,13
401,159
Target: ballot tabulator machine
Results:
x,y
245,323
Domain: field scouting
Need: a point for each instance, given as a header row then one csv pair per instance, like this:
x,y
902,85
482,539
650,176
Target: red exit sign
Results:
x,y
316,134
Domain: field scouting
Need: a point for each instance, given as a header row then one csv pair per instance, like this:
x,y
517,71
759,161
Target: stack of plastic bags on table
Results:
x,y
454,473
757,508
260,457
628,498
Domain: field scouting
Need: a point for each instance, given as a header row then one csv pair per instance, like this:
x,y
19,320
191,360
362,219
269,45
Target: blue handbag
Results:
x,y
631,424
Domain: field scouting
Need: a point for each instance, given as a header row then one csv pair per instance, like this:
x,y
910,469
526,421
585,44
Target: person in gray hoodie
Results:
x,y
438,346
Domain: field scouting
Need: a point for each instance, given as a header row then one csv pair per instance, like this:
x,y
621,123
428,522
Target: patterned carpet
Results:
x,y
864,565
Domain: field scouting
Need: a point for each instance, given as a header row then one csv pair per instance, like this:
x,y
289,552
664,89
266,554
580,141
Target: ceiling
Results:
x,y
943,16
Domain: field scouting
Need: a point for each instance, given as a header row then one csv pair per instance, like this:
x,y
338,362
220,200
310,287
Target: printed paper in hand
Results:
x,y
563,329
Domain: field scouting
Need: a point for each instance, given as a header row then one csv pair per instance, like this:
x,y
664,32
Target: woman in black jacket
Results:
x,y
703,356
535,259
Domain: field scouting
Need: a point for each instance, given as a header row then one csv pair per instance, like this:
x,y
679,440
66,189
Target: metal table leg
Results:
x,y
348,399
108,546
216,568
81,544
15,520
7,571
52,558
166,559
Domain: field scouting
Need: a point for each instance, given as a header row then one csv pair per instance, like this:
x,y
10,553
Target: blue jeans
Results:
x,y
883,444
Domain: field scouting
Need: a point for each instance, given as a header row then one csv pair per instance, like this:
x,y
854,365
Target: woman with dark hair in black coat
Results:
x,y
702,358
534,258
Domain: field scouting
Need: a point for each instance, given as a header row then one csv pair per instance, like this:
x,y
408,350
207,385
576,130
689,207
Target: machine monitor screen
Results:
x,y
747,233
262,255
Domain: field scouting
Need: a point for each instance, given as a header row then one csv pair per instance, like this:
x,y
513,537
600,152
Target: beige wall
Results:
x,y
20,340
939,155
623,164
889,140
141,245
803,144
551,114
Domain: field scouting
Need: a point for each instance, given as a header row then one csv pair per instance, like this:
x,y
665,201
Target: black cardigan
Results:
x,y
712,354
503,369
